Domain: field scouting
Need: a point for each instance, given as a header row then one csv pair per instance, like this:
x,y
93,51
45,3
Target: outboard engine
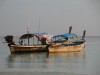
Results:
x,y
9,39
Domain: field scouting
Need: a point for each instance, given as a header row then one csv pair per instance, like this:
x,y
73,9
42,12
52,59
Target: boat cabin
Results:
x,y
64,38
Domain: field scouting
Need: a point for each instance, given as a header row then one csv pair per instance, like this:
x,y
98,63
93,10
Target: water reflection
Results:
x,y
26,60
44,60
68,54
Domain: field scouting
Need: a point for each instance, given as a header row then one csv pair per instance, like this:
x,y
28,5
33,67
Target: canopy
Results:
x,y
25,36
46,35
64,35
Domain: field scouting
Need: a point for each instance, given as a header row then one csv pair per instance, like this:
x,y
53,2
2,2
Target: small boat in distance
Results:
x,y
67,42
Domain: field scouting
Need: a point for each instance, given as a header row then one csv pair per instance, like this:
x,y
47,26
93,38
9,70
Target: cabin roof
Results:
x,y
64,35
25,36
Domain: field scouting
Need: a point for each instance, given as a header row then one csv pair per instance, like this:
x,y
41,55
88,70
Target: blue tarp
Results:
x,y
64,35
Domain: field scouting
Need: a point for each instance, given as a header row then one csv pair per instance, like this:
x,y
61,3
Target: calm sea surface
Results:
x,y
86,62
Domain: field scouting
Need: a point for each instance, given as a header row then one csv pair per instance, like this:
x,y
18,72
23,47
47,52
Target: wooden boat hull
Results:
x,y
63,48
27,48
44,48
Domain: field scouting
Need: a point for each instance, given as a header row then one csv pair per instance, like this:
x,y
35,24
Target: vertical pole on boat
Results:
x,y
28,30
70,29
24,41
33,40
84,32
38,31
27,27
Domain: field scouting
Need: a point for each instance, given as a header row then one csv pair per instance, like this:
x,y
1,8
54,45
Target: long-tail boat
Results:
x,y
67,42
26,44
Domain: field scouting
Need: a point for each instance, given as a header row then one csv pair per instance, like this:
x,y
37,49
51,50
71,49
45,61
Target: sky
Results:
x,y
53,16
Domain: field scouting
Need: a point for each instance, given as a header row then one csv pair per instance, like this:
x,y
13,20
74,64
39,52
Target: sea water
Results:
x,y
86,62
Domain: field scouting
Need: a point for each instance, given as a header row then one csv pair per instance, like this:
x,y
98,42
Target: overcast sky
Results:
x,y
55,16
